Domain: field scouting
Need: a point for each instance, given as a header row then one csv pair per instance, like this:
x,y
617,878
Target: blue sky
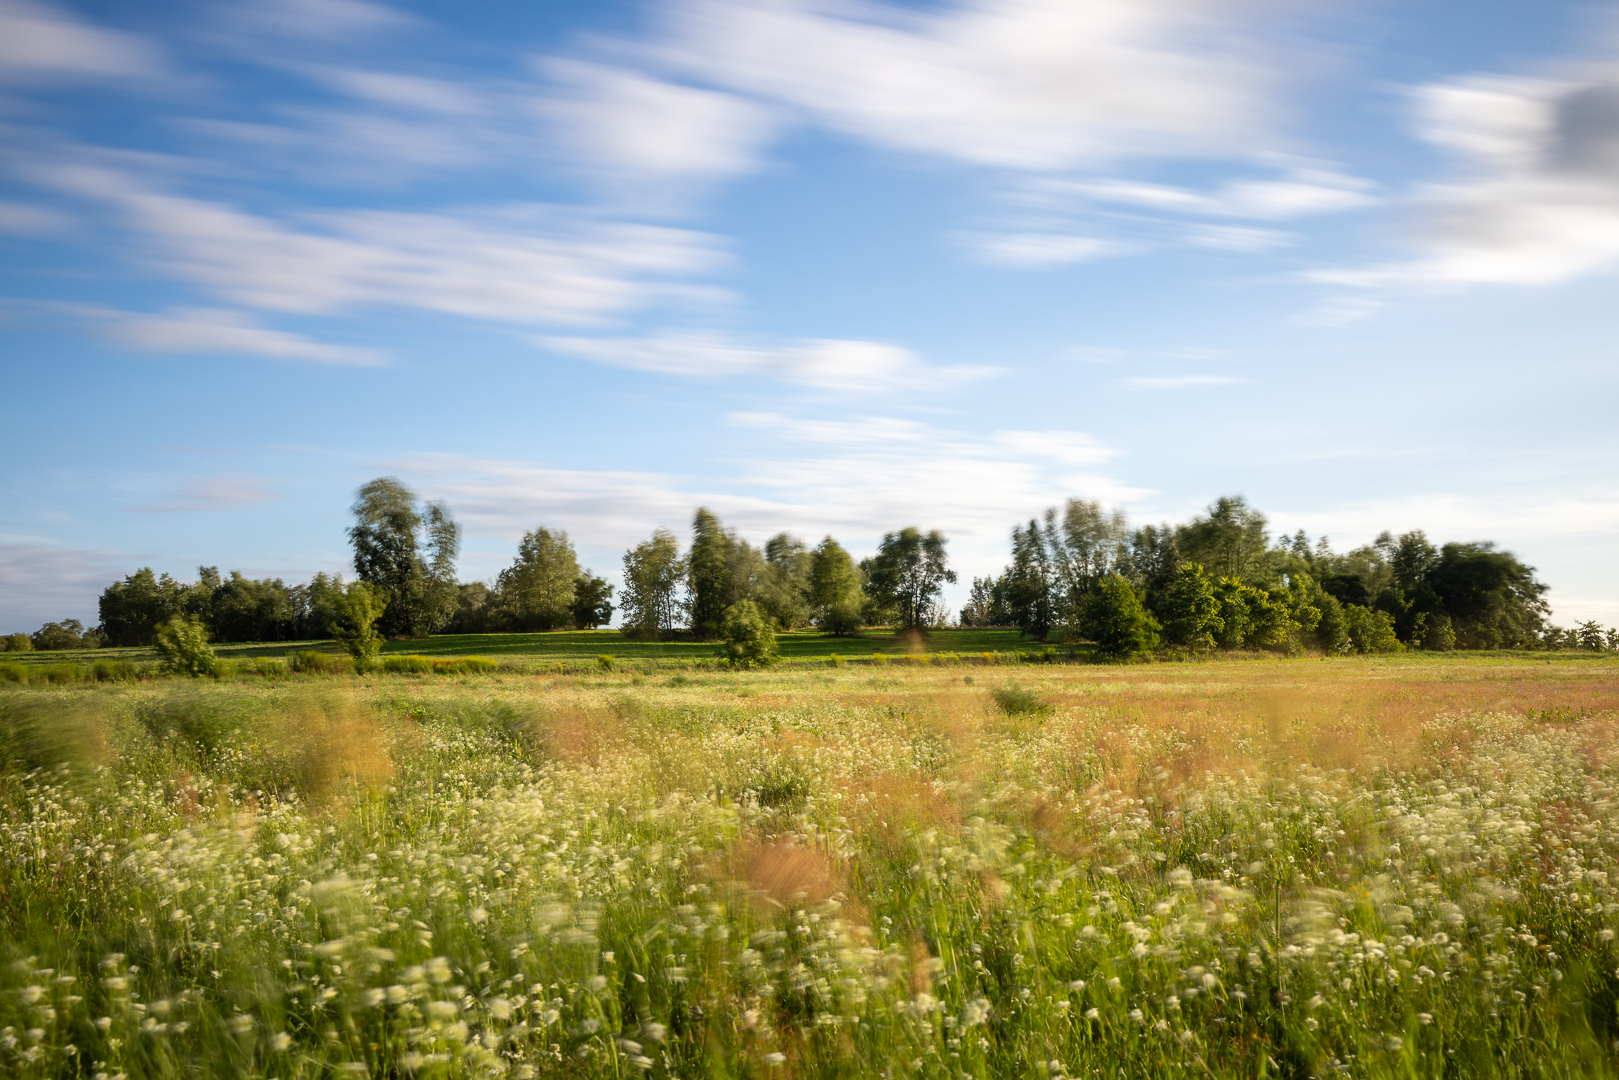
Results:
x,y
823,267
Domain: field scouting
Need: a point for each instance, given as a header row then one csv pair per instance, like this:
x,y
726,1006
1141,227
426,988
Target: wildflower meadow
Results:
x,y
1358,866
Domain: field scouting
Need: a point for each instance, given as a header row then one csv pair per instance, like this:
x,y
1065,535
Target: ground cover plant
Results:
x,y
1354,866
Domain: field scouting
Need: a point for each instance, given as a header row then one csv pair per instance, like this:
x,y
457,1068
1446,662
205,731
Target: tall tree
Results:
x,y
407,554
1190,611
592,601
1492,598
1031,582
653,571
538,588
707,573
836,595
908,572
1230,540
132,609
784,594
1116,621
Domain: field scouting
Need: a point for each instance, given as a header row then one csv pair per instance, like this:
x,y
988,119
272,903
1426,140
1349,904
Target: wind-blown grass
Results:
x,y
1293,868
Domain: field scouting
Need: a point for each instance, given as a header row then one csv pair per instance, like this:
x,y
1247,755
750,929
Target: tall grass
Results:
x,y
1294,869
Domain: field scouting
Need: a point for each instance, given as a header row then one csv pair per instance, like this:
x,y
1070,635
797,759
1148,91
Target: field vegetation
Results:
x,y
1349,866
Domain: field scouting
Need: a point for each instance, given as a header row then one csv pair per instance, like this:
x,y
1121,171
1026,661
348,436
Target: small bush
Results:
x,y
268,668
836,660
606,662
182,642
409,664
465,665
113,671
749,639
14,672
318,663
55,674
1014,700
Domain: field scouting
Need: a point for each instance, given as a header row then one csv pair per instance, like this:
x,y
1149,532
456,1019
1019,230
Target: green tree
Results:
x,y
131,610
1439,635
749,639
355,617
1116,621
538,589
1492,598
1332,631
836,593
1370,631
784,594
1190,611
67,634
182,644
408,554
1237,603
17,643
1032,589
707,573
653,572
1231,540
908,573
592,601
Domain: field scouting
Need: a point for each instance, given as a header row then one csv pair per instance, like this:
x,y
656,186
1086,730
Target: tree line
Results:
x,y
1077,573
1080,572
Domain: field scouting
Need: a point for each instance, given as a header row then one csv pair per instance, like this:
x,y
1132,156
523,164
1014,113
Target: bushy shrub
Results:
x,y
16,643
1438,633
606,662
1370,631
1115,620
182,643
311,662
841,619
14,672
409,664
749,639
1016,700
113,671
465,665
355,614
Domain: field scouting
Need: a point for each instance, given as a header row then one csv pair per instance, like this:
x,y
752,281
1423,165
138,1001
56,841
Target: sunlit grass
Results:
x,y
1301,868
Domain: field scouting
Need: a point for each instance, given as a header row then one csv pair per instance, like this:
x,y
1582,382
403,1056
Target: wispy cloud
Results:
x,y
854,478
825,364
42,583
1178,382
44,43
1535,197
1044,85
221,491
523,264
211,330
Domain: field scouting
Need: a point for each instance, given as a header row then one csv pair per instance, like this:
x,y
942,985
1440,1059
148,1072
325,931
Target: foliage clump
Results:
x,y
182,645
749,639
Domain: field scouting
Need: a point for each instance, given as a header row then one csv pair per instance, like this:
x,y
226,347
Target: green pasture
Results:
x,y
556,647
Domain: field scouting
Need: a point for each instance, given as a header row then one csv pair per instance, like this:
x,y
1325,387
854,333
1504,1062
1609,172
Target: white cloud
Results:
x,y
211,330
337,21
42,42
42,583
638,130
1039,250
24,219
1303,190
853,478
221,491
1536,196
521,264
1022,84
840,365
1179,382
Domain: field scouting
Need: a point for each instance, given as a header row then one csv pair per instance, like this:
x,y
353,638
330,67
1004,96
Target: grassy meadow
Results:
x,y
1359,867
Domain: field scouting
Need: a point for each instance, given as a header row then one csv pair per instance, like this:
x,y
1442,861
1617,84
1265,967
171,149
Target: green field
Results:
x,y
1359,866
588,644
